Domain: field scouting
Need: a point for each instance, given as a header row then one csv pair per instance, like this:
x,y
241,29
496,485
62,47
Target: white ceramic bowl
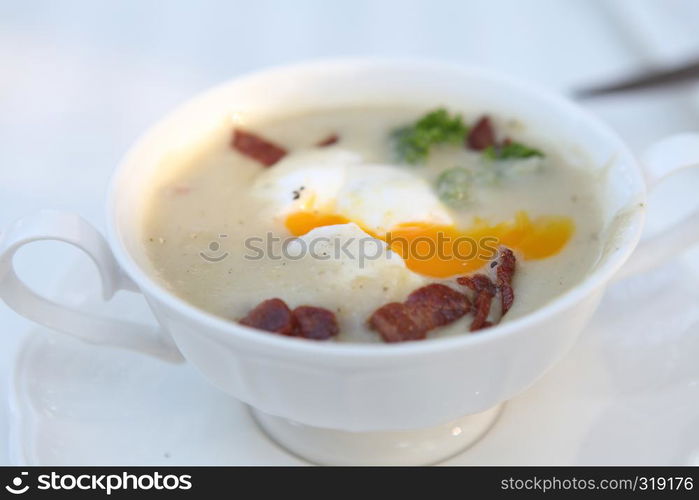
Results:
x,y
348,387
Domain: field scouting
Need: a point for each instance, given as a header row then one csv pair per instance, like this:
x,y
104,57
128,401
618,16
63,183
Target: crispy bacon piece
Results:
x,y
272,315
437,305
507,297
257,148
481,135
485,291
505,272
477,283
328,141
315,323
482,305
395,323
426,308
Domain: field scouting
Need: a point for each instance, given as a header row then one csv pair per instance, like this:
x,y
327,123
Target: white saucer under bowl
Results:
x,y
628,393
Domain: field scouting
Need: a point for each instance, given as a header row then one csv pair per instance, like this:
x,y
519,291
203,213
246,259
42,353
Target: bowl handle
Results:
x,y
70,228
662,159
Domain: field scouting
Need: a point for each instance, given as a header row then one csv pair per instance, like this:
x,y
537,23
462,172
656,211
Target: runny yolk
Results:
x,y
442,251
300,223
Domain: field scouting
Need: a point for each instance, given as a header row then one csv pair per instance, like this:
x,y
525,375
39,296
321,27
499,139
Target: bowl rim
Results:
x,y
289,345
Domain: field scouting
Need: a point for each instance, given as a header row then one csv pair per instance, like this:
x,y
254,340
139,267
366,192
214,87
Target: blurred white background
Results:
x,y
80,80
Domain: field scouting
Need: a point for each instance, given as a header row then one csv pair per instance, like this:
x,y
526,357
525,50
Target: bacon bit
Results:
x,y
395,323
481,135
482,304
485,291
505,272
257,148
477,283
437,305
328,141
507,298
181,190
272,315
425,309
315,323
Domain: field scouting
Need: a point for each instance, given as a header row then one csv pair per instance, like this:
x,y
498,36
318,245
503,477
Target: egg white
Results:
x,y
375,197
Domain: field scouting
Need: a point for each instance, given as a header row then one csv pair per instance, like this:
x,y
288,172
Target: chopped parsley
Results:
x,y
413,142
510,150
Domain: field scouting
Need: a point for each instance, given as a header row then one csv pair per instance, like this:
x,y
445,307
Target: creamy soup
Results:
x,y
346,210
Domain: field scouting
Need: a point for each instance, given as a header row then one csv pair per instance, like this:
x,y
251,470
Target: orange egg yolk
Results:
x,y
300,223
442,251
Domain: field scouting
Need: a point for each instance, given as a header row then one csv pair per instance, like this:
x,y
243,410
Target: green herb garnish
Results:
x,y
453,186
511,150
413,142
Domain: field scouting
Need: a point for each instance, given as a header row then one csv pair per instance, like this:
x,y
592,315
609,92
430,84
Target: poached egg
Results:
x,y
315,189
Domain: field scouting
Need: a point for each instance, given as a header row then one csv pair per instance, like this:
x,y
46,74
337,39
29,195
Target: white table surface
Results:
x,y
81,80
